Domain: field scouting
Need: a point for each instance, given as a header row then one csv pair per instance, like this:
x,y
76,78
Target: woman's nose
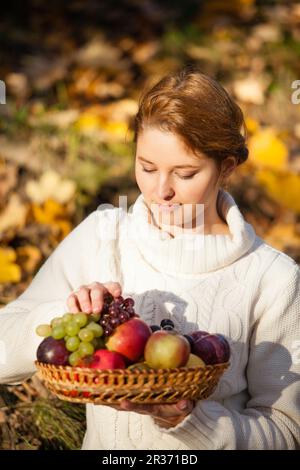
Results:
x,y
165,191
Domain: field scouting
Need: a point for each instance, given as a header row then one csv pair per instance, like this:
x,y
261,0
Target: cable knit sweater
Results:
x,y
233,284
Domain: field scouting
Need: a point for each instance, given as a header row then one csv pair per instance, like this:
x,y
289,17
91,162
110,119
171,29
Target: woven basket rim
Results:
x,y
42,365
87,385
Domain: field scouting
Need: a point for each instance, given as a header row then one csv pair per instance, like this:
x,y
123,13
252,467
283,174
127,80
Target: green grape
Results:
x,y
67,337
72,328
44,330
94,317
56,321
74,358
58,332
81,319
72,344
67,317
96,329
86,335
85,349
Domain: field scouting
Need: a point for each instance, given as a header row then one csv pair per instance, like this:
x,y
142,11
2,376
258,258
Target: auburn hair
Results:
x,y
199,110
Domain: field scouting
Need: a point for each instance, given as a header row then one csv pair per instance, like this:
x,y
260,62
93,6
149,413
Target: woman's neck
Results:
x,y
217,226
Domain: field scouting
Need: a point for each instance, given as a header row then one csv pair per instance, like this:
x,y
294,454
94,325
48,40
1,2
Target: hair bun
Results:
x,y
243,154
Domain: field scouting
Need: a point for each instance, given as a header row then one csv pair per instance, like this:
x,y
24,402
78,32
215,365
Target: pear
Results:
x,y
195,361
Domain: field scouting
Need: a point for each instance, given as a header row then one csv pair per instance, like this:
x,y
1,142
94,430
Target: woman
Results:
x,y
196,261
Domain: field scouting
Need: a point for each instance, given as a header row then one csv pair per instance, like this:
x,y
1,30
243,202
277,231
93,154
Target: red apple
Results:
x,y
129,339
104,359
212,349
166,350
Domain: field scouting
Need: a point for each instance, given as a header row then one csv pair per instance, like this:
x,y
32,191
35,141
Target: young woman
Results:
x,y
184,251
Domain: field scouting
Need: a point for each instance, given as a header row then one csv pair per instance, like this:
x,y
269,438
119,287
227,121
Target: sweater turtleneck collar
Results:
x,y
195,253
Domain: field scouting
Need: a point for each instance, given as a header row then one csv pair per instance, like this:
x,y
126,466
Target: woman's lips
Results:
x,y
167,208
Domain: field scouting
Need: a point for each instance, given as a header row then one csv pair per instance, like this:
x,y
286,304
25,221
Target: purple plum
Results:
x,y
53,351
212,348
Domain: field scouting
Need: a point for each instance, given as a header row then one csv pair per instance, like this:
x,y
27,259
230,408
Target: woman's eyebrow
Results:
x,y
177,166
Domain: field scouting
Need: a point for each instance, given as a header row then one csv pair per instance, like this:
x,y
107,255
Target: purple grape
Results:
x,y
123,317
129,302
131,311
103,322
114,310
114,322
53,351
108,330
119,300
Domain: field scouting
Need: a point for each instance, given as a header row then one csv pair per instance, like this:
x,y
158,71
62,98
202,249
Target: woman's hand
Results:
x,y
166,416
90,298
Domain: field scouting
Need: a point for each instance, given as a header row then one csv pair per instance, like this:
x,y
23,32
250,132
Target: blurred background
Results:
x,y
73,73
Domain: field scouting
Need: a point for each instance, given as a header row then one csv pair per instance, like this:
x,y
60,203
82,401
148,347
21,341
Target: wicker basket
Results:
x,y
83,385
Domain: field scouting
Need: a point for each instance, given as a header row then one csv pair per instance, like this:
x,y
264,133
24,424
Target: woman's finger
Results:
x,y
97,294
83,295
114,288
73,303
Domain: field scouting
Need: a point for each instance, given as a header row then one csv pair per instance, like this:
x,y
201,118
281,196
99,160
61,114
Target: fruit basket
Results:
x,y
138,385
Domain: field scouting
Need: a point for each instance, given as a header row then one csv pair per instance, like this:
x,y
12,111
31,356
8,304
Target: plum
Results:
x,y
53,351
212,348
196,335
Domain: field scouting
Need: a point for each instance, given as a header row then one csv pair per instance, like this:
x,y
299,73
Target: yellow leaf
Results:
x,y
47,212
117,129
65,228
88,122
267,150
53,214
283,187
9,271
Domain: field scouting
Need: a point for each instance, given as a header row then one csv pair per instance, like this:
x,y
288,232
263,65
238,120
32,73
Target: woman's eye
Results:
x,y
187,176
147,171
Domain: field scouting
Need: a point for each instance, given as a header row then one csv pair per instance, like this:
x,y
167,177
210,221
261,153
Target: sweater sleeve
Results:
x,y
271,417
45,298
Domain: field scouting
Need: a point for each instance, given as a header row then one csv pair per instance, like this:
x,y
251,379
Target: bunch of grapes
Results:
x,y
116,312
70,338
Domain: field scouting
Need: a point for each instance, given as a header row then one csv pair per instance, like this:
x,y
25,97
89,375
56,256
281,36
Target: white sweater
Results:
x,y
235,285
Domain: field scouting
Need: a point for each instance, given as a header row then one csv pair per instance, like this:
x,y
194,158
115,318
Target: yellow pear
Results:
x,y
195,361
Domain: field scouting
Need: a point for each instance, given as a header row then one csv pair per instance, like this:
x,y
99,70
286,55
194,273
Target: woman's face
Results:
x,y
169,173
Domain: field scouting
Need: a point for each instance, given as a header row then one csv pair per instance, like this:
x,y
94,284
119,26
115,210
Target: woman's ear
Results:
x,y
228,166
